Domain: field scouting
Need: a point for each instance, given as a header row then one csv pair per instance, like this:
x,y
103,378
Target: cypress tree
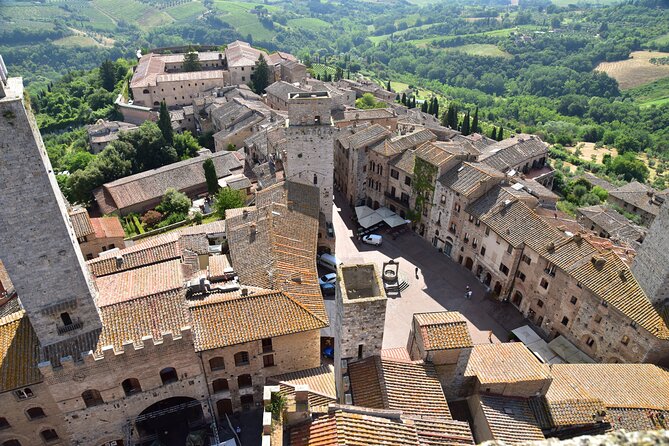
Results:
x,y
493,134
413,102
466,125
107,75
191,61
404,99
444,119
424,107
260,79
475,123
210,176
388,86
165,124
435,107
500,133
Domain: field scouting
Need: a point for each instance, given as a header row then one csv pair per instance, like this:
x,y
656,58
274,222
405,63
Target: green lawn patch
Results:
x,y
308,23
480,49
72,41
186,11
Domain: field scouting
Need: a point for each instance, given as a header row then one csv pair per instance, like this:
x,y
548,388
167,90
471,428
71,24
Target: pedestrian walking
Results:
x,y
468,292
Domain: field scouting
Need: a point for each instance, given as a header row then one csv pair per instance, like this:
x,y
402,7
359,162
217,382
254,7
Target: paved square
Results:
x,y
440,284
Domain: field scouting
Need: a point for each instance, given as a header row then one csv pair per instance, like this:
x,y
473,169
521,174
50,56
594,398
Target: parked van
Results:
x,y
328,261
373,239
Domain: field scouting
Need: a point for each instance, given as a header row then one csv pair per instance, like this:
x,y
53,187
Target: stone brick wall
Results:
x,y
37,238
651,265
21,427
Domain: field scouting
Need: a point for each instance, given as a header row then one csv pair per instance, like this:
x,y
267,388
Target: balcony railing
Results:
x,y
75,325
397,200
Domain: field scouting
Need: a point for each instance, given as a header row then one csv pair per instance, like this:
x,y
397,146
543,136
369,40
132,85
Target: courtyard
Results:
x,y
439,285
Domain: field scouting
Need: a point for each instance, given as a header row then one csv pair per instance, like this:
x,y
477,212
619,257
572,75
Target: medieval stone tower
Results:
x,y
309,154
651,265
37,242
360,303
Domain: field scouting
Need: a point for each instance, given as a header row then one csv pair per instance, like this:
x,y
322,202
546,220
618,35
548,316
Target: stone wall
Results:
x,y
37,238
651,265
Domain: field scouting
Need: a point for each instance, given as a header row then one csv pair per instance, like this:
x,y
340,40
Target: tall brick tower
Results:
x,y
651,264
38,245
360,302
309,154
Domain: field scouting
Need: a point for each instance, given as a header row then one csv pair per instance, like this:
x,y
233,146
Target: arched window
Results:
x,y
244,381
65,317
11,443
4,424
146,91
49,435
35,413
241,358
216,363
220,385
92,398
131,385
169,375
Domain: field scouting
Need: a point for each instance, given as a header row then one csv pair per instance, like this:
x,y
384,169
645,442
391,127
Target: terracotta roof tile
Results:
x,y
354,428
108,227
468,178
443,330
510,420
81,222
320,381
397,385
19,352
405,161
145,281
229,318
638,195
434,431
399,144
513,151
152,315
505,363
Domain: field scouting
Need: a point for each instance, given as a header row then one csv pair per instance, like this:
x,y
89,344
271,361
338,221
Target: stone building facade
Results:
x,y
651,264
360,302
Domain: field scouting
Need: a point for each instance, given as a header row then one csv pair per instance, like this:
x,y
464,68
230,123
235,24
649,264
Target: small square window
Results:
x,y
540,303
268,360
509,248
407,181
521,276
565,321
598,319
625,340
544,284
503,268
590,342
487,231
482,250
573,300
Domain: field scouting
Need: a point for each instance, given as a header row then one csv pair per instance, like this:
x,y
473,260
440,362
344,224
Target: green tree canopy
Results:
x,y
227,198
629,167
174,202
191,62
368,101
108,75
211,176
260,78
165,123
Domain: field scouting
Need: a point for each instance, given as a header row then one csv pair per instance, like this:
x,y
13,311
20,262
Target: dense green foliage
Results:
x,y
228,198
210,176
260,78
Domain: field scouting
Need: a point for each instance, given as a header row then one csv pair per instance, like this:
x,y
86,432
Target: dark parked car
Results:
x,y
328,289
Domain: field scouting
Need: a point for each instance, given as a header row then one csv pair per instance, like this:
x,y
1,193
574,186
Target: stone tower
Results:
x,y
651,264
309,154
360,303
38,245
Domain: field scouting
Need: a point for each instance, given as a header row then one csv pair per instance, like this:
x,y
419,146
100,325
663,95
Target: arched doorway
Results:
x,y
498,289
170,421
488,279
517,299
224,407
469,263
448,247
247,402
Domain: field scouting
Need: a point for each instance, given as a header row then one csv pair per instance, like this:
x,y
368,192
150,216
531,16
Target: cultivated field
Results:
x,y
637,70
78,40
480,49
308,23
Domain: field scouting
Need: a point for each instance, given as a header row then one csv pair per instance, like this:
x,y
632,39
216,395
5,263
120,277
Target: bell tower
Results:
x,y
309,154
38,245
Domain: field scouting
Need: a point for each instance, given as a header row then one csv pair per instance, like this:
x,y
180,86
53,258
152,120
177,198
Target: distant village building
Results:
x,y
639,199
96,235
103,132
143,191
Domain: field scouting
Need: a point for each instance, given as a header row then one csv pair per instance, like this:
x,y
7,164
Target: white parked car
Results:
x,y
327,278
372,239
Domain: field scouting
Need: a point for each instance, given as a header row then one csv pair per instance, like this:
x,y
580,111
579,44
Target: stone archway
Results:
x,y
469,263
170,421
488,279
497,290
